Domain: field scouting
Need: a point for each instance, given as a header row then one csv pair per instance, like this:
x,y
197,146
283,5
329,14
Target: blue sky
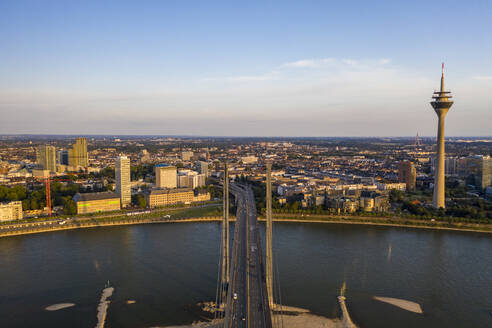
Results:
x,y
300,68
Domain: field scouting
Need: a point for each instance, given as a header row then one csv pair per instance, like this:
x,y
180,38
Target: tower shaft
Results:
x,y
438,199
269,233
225,230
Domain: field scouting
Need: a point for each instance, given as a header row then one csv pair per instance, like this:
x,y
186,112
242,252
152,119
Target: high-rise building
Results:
x,y
46,157
450,165
407,174
203,168
62,157
441,105
77,155
165,176
477,170
123,185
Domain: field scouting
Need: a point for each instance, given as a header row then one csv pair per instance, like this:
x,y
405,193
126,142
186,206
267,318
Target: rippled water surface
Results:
x,y
167,268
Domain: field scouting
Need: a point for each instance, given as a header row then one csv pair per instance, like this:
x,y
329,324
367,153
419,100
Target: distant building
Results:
x,y
123,185
407,174
186,155
164,197
62,157
249,159
144,156
450,165
97,202
372,201
41,173
203,168
11,211
488,192
389,186
46,157
190,179
201,196
77,155
165,176
344,204
477,170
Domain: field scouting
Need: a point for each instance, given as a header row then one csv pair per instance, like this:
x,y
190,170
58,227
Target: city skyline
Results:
x,y
314,69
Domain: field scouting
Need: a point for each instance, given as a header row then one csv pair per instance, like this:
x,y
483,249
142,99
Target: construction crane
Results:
x,y
47,185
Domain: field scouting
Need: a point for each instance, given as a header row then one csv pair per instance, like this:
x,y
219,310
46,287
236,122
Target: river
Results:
x,y
168,268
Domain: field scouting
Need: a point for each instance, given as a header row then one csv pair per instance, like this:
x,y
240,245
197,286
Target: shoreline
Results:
x,y
284,218
387,224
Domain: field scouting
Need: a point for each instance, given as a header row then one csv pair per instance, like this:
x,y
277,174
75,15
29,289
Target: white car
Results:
x,y
235,296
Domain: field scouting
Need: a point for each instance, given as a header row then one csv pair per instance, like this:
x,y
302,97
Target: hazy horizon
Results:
x,y
74,135
243,69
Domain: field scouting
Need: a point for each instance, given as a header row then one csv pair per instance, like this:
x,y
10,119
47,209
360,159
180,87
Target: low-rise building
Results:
x,y
11,211
164,197
372,201
97,202
389,186
201,196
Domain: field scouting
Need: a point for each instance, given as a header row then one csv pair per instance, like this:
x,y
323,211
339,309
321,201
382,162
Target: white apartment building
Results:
x,y
11,211
165,176
123,185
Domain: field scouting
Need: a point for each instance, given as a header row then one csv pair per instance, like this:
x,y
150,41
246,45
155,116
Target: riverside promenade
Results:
x,y
56,226
380,221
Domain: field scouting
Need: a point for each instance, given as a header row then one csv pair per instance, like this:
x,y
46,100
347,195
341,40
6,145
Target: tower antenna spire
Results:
x,y
442,78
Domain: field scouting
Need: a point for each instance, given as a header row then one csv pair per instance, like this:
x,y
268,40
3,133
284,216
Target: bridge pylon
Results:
x,y
225,234
269,233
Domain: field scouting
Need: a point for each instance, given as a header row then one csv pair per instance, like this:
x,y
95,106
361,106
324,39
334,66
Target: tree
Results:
x,y
141,201
69,207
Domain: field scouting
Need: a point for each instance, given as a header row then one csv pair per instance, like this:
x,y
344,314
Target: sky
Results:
x,y
244,68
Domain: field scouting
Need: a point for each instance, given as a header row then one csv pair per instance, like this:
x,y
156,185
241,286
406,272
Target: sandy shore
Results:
x,y
403,304
102,308
297,318
59,306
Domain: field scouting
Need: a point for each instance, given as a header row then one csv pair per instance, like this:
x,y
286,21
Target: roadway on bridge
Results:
x,y
247,300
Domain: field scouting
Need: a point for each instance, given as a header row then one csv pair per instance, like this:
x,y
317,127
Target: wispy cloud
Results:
x,y
482,78
240,78
335,62
290,70
309,63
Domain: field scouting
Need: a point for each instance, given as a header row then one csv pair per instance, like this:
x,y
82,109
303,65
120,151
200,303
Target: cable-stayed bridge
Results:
x,y
245,288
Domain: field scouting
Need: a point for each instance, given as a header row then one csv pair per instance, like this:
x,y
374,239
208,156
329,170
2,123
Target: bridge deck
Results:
x,y
247,301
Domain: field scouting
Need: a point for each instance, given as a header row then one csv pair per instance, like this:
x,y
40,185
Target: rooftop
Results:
x,y
95,196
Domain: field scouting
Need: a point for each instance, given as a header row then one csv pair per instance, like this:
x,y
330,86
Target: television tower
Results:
x,y
441,105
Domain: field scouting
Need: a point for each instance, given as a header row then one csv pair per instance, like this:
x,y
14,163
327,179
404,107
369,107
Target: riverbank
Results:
x,y
206,213
108,223
293,218
381,221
